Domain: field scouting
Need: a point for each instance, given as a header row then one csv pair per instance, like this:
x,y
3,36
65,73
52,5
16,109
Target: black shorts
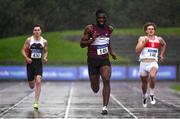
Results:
x,y
94,65
34,69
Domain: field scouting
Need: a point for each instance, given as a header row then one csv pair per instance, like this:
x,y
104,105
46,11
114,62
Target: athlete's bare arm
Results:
x,y
45,51
162,48
25,49
110,46
88,37
140,45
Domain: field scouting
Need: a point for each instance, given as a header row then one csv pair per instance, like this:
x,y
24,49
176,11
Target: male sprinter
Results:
x,y
34,51
147,49
97,38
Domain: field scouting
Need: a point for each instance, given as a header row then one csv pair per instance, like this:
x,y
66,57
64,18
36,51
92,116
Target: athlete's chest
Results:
x,y
152,43
101,32
36,46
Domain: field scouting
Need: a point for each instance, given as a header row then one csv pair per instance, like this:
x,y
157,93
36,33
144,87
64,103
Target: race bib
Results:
x,y
36,53
102,50
152,53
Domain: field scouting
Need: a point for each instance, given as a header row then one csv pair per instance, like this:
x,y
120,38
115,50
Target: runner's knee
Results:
x,y
152,76
38,80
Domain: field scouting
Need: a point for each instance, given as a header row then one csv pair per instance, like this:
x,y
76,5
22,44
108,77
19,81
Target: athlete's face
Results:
x,y
37,31
150,30
101,19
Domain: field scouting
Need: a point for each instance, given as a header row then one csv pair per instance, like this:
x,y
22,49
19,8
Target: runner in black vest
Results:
x,y
34,51
97,38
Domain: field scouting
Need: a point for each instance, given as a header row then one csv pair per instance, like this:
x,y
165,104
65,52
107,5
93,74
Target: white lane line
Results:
x,y
69,102
139,91
112,96
10,87
16,104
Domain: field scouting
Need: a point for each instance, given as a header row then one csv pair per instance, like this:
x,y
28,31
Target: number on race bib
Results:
x,y
152,54
36,55
102,51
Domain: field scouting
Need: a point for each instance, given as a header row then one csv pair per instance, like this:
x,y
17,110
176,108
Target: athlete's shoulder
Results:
x,y
44,40
142,37
159,38
28,40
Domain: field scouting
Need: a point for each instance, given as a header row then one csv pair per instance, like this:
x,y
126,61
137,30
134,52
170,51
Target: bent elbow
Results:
x,y
137,51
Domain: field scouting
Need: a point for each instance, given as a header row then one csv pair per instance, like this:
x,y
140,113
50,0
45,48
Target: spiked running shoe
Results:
x,y
36,106
104,111
152,99
144,101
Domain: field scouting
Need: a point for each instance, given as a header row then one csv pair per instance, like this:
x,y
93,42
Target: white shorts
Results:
x,y
145,67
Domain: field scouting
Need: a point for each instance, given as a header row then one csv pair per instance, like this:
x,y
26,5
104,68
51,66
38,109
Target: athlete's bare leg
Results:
x,y
38,88
105,72
31,84
144,86
94,79
152,74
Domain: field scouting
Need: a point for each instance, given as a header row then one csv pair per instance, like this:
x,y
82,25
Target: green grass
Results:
x,y
11,48
62,50
176,87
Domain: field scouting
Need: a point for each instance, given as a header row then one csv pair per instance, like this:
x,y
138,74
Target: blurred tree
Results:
x,y
19,16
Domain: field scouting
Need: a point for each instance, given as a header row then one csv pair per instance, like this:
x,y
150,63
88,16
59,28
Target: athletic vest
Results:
x,y
99,48
36,48
150,51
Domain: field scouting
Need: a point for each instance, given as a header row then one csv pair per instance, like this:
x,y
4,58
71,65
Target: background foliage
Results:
x,y
18,16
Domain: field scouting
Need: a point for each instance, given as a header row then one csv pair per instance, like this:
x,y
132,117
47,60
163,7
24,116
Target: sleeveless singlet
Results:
x,y
36,48
99,48
150,51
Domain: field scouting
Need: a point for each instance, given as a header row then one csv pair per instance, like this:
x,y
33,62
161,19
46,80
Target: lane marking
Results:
x,y
139,91
69,101
16,104
118,102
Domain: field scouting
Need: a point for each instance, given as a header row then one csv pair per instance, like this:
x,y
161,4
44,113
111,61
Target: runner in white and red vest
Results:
x,y
147,49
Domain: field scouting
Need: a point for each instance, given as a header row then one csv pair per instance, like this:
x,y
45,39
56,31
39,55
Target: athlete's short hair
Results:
x,y
149,24
37,25
100,11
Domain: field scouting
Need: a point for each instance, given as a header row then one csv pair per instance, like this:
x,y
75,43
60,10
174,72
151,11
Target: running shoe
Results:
x,y
152,99
104,111
144,101
36,106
